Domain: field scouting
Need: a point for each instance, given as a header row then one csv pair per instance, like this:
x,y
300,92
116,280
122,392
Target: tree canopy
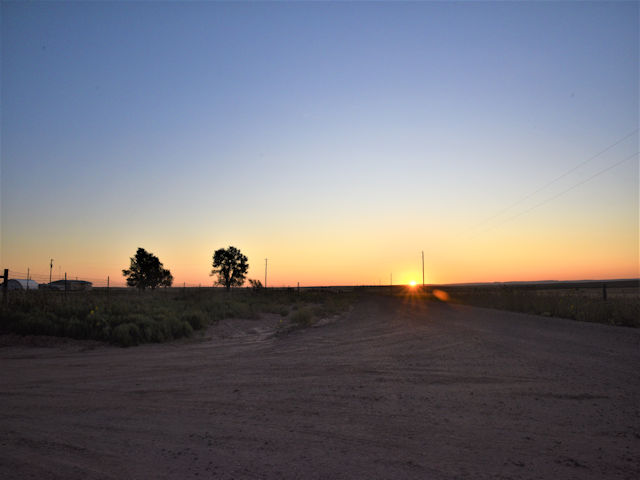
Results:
x,y
231,266
147,271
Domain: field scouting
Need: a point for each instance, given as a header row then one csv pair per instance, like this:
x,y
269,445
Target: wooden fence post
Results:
x,y
5,286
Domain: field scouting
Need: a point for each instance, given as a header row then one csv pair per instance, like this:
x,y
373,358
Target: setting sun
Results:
x,y
412,283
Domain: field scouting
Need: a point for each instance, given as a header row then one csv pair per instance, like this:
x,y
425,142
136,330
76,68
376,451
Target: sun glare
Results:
x,y
412,283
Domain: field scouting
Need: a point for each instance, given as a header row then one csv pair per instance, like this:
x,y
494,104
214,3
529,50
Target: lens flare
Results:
x,y
441,295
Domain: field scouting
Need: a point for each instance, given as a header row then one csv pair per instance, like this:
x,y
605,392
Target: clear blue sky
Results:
x,y
360,133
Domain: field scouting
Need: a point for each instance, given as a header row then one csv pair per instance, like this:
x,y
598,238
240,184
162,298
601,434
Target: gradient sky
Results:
x,y
337,139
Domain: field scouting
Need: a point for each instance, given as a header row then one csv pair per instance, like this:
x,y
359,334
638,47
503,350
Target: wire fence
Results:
x,y
118,281
96,282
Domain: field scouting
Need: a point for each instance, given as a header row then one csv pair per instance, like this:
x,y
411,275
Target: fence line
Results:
x,y
113,281
97,282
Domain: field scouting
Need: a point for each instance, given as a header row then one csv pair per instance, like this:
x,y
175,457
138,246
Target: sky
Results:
x,y
339,140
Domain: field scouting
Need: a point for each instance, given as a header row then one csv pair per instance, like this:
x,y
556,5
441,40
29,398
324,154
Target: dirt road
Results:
x,y
394,389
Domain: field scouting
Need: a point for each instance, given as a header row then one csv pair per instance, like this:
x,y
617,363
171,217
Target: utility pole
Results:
x,y
423,268
265,272
28,272
50,268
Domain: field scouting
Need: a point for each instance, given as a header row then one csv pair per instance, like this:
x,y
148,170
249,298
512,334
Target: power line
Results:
x,y
571,170
567,190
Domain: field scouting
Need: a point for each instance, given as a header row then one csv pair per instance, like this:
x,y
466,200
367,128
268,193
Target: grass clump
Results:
x,y
302,317
197,320
126,335
622,308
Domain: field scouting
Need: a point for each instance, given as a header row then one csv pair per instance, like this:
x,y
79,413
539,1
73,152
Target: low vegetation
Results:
x,y
583,303
126,318
129,317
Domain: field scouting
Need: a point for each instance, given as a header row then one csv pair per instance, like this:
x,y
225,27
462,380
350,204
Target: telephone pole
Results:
x,y
50,268
265,272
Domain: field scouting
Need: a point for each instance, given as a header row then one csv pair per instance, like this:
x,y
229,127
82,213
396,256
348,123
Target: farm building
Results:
x,y
74,285
21,284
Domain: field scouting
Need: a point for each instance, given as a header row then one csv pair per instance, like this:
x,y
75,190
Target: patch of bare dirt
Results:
x,y
12,340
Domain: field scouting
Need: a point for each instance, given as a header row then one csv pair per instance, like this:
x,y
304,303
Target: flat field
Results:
x,y
396,387
584,301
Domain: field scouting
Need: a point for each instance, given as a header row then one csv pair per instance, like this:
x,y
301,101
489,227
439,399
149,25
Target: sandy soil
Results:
x,y
391,390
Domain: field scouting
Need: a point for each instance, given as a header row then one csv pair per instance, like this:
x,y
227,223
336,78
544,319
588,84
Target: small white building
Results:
x,y
21,284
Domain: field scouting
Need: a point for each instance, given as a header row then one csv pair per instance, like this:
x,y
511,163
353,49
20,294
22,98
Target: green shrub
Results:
x,y
302,317
216,311
239,310
14,320
171,327
37,324
196,320
148,330
187,330
126,335
76,328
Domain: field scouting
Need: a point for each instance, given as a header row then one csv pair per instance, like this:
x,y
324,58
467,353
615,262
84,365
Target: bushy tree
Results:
x,y
231,266
147,271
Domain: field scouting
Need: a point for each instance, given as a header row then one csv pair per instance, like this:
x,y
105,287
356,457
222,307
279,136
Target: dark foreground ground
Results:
x,y
393,389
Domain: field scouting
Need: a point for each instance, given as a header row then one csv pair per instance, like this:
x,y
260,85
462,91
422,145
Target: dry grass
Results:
x,y
622,306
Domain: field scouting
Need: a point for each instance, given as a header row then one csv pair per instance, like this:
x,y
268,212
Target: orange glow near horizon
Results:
x,y
525,253
328,267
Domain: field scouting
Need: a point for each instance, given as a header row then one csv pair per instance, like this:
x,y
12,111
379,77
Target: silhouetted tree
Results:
x,y
231,267
256,285
147,271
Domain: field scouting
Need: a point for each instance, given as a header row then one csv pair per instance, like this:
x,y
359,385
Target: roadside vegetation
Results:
x,y
129,317
145,313
583,303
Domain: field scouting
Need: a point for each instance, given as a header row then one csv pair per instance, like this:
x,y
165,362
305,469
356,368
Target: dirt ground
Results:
x,y
392,389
